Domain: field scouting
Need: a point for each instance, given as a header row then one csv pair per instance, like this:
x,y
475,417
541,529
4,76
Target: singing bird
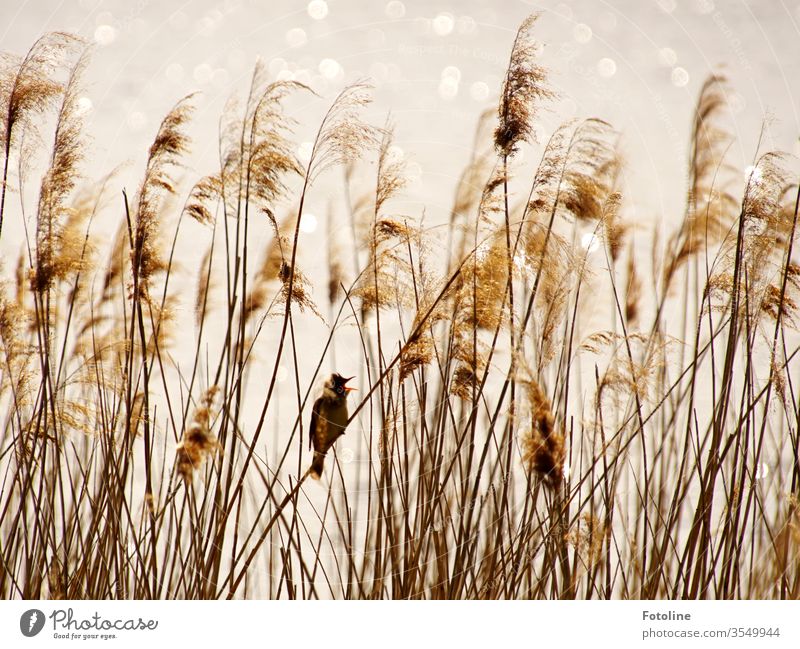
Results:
x,y
328,420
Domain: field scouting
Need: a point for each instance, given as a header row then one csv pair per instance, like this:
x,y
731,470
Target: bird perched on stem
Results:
x,y
328,420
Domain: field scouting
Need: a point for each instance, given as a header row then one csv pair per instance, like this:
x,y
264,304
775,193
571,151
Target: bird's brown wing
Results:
x,y
313,441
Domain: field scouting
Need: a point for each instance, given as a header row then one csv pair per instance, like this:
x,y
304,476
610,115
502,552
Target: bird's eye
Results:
x,y
339,389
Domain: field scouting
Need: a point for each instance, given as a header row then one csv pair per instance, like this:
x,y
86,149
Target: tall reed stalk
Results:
x,y
545,409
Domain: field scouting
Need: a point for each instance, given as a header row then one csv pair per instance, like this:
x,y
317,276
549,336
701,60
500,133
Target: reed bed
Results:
x,y
540,414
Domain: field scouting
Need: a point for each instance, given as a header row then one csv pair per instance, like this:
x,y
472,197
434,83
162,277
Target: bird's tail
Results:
x,y
316,465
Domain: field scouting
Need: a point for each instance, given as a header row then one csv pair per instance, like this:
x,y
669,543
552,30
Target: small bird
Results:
x,y
328,420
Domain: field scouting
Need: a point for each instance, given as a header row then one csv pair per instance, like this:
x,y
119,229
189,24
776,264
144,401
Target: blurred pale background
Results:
x,y
436,65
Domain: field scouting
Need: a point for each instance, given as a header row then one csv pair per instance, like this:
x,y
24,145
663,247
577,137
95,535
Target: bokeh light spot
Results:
x,y
443,24
318,9
679,77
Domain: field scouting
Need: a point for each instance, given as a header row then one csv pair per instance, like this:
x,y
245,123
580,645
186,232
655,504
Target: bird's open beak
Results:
x,y
348,389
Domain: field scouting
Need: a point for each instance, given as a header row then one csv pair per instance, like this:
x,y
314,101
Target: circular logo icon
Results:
x,y
31,622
